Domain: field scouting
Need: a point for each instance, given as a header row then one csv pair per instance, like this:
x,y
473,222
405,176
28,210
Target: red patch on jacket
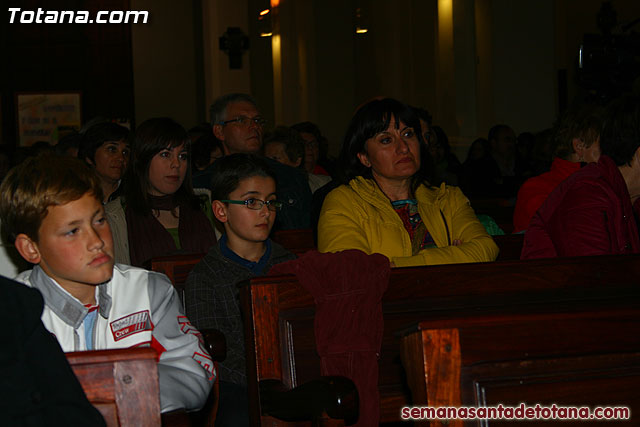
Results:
x,y
131,324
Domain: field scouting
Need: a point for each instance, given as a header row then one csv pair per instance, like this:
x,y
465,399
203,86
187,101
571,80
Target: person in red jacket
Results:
x,y
577,139
591,212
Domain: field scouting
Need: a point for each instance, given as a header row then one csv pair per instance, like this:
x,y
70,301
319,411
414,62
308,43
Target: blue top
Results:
x,y
89,322
255,267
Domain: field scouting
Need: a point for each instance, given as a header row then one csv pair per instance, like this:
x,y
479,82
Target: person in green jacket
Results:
x,y
386,204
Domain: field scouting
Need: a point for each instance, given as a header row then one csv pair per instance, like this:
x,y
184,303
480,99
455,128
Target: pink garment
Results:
x,y
589,213
535,191
319,170
347,288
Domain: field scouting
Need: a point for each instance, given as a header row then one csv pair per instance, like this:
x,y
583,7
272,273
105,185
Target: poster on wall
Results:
x,y
47,116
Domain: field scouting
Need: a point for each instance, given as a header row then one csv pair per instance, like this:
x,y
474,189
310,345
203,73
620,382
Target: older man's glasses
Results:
x,y
245,121
257,204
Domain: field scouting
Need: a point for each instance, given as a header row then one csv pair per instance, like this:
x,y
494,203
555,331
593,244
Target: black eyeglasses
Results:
x,y
245,121
257,204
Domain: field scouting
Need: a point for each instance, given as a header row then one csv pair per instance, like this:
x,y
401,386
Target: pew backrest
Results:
x,y
279,310
176,268
568,357
295,241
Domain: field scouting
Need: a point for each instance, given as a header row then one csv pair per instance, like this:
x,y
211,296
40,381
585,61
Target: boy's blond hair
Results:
x,y
37,183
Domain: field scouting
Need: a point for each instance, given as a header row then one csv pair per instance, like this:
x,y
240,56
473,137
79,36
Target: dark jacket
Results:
x,y
212,301
38,387
292,189
589,213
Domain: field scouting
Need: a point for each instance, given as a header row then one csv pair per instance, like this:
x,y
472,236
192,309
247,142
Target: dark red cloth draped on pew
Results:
x,y
347,288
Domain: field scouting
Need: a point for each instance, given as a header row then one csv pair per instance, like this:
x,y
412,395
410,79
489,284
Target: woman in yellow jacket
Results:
x,y
387,205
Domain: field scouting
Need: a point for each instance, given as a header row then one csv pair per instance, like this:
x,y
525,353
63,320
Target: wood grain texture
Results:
x,y
441,294
122,384
577,358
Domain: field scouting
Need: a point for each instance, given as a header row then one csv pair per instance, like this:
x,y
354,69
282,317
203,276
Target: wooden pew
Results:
x,y
295,241
537,355
280,311
121,384
510,246
177,269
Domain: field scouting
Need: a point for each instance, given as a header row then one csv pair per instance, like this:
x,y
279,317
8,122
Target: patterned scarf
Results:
x,y
408,211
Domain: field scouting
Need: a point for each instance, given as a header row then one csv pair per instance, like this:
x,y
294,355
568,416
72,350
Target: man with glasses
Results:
x,y
238,124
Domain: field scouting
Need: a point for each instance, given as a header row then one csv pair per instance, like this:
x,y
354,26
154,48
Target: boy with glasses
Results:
x,y
238,124
243,190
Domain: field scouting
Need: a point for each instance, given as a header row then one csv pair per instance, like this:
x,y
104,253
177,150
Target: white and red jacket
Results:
x,y
136,308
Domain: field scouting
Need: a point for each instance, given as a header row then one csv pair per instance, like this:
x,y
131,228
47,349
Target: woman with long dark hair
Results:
x,y
159,214
386,204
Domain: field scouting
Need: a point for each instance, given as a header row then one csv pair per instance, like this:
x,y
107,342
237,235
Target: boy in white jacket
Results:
x,y
51,207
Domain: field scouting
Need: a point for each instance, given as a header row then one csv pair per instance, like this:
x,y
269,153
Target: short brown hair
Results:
x,y
583,122
37,183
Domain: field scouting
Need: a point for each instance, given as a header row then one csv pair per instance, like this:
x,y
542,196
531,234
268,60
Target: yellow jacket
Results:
x,y
360,216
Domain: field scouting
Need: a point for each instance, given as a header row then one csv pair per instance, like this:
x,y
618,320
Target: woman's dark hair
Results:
x,y
150,138
227,173
371,119
202,148
97,135
620,137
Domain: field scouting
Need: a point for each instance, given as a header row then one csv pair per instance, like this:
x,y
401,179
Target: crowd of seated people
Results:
x,y
91,217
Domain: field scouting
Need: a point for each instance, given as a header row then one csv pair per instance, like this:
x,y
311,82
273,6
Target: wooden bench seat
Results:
x,y
282,346
295,241
569,357
122,384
